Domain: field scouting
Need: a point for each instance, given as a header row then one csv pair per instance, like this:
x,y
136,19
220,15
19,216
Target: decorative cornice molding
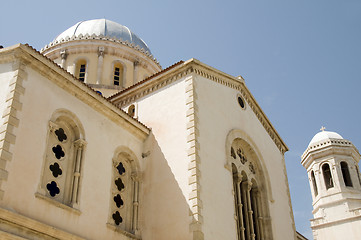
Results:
x,y
101,38
44,66
152,84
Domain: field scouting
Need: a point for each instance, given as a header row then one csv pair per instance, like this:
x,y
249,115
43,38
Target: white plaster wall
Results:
x,y
6,74
219,113
166,187
349,230
103,136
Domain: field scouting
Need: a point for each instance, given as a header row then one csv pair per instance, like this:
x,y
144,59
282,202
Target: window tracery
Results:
x,y
124,194
62,163
248,198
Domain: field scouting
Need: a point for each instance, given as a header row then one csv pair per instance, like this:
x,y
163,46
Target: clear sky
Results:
x,y
300,58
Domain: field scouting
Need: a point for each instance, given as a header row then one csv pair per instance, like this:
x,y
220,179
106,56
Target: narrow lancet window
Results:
x,y
346,174
327,176
118,74
80,71
313,179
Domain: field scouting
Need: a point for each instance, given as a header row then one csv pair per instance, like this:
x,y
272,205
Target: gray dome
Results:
x,y
103,27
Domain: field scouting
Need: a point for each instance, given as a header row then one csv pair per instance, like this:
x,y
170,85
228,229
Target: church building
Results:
x,y
98,141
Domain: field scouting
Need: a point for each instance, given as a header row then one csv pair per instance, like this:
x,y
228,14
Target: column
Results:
x,y
79,146
250,212
259,216
240,205
100,64
63,55
135,179
244,187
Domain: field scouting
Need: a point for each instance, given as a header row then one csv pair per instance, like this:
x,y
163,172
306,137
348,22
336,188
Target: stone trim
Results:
x,y
152,84
14,224
10,120
69,83
193,159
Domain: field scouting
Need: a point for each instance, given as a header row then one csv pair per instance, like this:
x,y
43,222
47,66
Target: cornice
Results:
x,y
182,69
100,38
329,147
68,82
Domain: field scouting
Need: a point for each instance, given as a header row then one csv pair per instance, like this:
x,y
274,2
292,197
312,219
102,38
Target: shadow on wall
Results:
x,y
165,209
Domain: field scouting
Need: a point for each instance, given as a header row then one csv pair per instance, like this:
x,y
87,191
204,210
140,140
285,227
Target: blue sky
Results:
x,y
300,58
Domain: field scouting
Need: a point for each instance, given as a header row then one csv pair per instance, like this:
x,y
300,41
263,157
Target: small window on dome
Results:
x,y
118,74
81,70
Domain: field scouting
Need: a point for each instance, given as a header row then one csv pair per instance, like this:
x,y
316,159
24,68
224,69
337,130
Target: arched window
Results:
x,y
346,174
327,176
313,179
124,194
118,74
80,70
249,201
63,160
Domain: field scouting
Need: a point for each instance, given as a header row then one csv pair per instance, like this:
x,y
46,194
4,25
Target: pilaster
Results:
x,y
194,160
10,119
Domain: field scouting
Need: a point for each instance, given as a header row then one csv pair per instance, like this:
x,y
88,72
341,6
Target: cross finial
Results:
x,y
322,128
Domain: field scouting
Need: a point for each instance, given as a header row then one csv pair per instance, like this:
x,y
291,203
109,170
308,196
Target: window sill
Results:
x,y
118,229
57,204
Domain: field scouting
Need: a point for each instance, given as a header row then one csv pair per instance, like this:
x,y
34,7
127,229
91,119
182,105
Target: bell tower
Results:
x,y
335,182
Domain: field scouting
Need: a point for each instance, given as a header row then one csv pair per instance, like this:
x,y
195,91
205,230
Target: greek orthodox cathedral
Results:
x,y
98,141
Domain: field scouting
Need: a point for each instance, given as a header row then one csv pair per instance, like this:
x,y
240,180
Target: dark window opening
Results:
x,y
327,176
52,188
241,102
346,174
82,72
117,218
58,151
55,170
313,179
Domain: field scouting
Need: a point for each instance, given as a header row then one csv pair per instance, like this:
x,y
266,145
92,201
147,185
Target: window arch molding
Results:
x,y
251,188
63,159
76,66
236,133
123,73
125,192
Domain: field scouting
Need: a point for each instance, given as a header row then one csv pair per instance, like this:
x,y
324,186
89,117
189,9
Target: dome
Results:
x,y
323,136
105,28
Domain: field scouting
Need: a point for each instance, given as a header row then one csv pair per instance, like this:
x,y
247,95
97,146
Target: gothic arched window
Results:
x,y
313,179
327,176
124,194
63,160
249,200
346,174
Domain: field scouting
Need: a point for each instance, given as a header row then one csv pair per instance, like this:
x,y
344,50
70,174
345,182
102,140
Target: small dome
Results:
x,y
323,136
103,27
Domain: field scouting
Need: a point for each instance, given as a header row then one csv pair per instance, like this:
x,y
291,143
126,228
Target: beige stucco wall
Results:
x,y
218,114
42,97
166,189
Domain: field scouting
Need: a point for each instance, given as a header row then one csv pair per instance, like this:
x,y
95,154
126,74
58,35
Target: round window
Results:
x,y
241,102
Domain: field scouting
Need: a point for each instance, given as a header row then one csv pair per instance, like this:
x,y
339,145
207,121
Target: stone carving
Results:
x,y
251,168
233,154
